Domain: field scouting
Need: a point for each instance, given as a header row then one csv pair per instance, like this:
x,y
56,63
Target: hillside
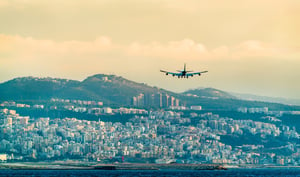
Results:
x,y
31,88
252,97
209,93
118,91
107,88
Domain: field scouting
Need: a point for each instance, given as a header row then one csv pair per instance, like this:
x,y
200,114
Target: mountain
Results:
x,y
209,93
31,88
220,100
118,91
252,97
107,88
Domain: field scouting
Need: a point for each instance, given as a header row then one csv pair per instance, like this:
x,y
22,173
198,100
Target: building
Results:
x,y
107,110
165,100
198,108
134,101
176,102
172,101
158,100
3,157
140,100
148,99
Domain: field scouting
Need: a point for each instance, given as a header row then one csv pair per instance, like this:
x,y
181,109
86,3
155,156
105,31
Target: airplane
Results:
x,y
183,73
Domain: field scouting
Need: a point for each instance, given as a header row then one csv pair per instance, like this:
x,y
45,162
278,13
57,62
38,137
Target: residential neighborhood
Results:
x,y
148,136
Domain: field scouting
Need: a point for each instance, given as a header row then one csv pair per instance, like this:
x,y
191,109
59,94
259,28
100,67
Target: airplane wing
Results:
x,y
196,73
171,73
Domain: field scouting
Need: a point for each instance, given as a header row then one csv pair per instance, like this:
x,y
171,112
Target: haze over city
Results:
x,y
247,46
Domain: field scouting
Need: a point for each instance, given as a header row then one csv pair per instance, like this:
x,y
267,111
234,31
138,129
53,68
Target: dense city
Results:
x,y
149,136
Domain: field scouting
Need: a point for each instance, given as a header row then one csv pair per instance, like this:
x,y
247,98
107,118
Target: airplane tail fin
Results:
x,y
185,69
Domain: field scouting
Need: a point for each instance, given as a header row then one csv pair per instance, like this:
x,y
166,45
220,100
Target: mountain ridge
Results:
x,y
119,91
209,93
282,100
101,87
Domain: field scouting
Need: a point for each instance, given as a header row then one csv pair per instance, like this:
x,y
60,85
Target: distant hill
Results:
x,y
209,93
118,91
252,97
32,88
107,88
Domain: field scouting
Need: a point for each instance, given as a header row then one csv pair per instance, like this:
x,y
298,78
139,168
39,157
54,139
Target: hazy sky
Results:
x,y
248,46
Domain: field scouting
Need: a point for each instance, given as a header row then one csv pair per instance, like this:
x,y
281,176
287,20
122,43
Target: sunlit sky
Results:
x,y
248,46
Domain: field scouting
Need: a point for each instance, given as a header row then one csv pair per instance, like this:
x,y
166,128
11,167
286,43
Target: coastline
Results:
x,y
119,166
129,166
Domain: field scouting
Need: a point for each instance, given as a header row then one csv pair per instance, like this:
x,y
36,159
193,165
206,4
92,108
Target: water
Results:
x,y
292,172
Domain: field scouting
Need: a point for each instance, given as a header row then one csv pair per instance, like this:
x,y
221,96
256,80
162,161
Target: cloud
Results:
x,y
3,3
21,55
254,48
28,46
189,49
186,48
28,56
